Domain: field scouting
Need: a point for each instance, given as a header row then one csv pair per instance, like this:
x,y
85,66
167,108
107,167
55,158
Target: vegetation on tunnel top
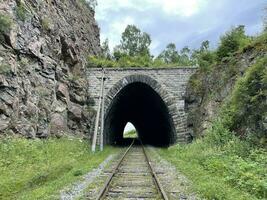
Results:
x,y
133,51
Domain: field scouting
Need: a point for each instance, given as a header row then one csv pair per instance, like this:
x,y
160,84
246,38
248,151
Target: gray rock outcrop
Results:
x,y
43,50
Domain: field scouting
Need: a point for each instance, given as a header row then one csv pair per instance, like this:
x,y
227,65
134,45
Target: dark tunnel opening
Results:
x,y
141,105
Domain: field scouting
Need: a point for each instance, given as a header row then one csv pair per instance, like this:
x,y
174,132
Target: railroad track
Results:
x,y
133,177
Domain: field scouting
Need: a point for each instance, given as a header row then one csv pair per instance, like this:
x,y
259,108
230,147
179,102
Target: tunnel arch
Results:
x,y
141,100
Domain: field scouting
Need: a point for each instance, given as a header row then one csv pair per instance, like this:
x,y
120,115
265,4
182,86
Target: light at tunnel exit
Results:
x,y
129,127
129,131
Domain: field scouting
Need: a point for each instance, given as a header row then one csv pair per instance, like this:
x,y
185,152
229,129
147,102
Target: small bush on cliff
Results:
x,y
46,23
204,57
21,11
90,3
5,26
5,69
5,23
231,42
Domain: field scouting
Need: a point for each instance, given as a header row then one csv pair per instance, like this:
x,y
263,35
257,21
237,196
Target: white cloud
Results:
x,y
155,45
184,22
115,30
184,8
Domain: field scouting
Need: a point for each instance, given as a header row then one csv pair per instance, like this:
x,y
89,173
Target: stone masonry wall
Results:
x,y
172,83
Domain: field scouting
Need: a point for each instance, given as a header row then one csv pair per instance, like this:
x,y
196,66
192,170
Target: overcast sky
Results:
x,y
184,22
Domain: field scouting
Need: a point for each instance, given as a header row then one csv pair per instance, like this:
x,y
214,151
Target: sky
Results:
x,y
129,127
183,22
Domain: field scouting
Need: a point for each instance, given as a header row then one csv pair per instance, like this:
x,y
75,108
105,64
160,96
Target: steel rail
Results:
x,y
154,175
105,188
107,183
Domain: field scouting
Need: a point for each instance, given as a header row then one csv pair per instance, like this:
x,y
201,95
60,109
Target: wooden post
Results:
x,y
102,113
97,116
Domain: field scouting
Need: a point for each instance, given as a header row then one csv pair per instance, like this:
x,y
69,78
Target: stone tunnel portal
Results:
x,y
139,104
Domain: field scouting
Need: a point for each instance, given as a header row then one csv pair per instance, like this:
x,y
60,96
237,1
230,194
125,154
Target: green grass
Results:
x,y
130,134
39,169
221,166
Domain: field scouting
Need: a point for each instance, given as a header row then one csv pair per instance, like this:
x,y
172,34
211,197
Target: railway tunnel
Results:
x,y
139,104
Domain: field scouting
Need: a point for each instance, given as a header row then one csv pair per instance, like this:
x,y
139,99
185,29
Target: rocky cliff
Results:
x,y
43,49
209,90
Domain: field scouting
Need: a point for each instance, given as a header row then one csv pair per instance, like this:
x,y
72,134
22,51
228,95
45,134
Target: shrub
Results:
x,y
231,42
46,23
5,23
89,3
5,26
5,69
205,61
21,11
218,134
247,105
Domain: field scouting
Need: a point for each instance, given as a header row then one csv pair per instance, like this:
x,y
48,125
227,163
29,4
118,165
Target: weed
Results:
x,y
46,23
5,26
5,69
21,12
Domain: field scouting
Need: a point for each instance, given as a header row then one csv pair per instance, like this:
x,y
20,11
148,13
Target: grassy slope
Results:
x,y
39,169
220,172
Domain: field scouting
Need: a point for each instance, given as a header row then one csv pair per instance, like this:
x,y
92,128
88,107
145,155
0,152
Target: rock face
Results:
x,y
43,52
206,92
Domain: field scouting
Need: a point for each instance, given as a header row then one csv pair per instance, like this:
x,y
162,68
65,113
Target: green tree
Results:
x,y
170,54
205,45
134,42
105,50
203,56
185,54
118,53
232,41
